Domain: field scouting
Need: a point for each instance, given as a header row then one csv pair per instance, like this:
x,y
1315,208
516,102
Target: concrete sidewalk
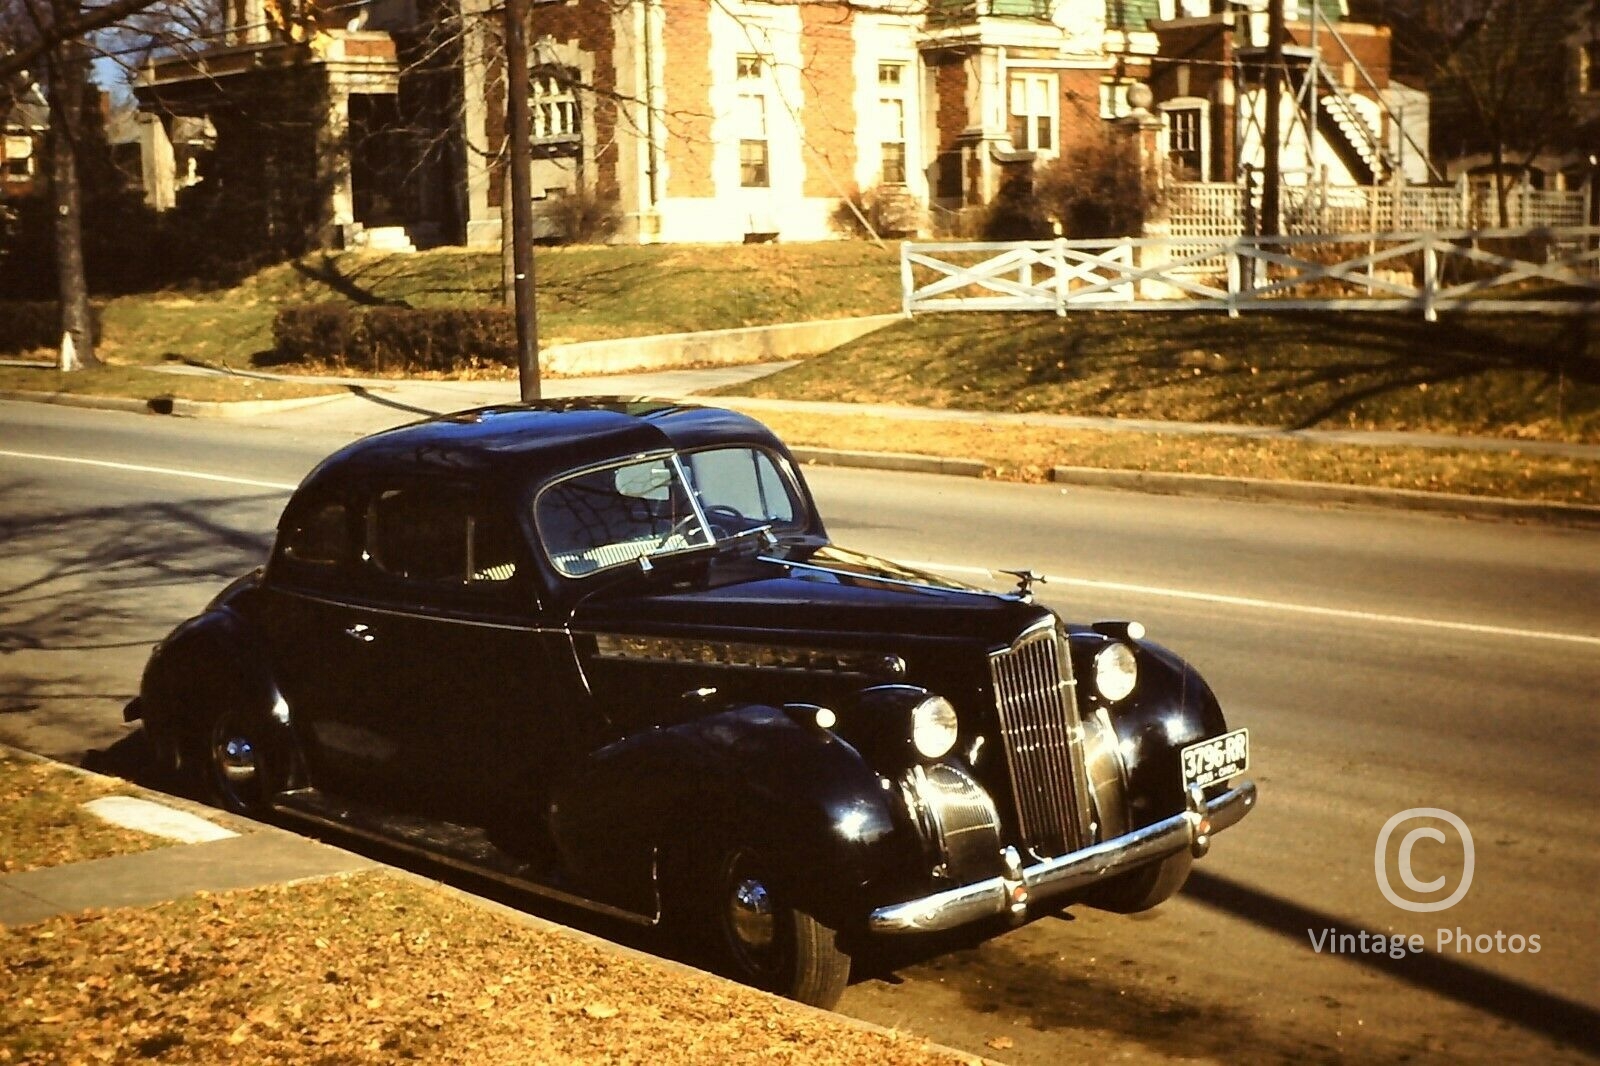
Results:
x,y
194,848
377,402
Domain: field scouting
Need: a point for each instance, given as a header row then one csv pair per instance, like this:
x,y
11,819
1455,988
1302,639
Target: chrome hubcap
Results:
x,y
237,765
750,915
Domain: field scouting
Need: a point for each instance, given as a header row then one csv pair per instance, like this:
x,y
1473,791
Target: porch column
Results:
x,y
333,170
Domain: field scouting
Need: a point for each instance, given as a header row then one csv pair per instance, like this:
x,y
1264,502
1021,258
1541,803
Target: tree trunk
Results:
x,y
69,76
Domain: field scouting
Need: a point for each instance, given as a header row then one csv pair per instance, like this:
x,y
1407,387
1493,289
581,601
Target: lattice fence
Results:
x,y
1213,209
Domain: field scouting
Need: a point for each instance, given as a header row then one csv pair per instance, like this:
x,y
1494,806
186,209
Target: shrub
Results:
x,y
440,339
584,216
1015,214
395,338
314,333
891,210
1098,189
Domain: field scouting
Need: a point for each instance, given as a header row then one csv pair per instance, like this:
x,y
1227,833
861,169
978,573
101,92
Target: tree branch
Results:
x,y
26,55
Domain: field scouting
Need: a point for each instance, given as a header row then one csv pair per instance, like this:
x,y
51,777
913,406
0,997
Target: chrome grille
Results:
x,y
1033,691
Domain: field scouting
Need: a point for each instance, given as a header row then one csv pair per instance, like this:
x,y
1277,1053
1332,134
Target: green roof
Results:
x,y
1138,14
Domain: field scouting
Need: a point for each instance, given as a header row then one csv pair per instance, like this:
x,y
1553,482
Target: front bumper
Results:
x,y
1020,886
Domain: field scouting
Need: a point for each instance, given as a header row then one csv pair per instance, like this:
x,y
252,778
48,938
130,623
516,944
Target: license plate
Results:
x,y
1217,759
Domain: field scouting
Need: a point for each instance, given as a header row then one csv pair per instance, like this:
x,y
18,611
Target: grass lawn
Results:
x,y
1505,375
584,293
1026,453
140,384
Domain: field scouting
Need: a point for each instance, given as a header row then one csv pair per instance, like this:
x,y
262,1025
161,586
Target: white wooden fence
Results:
x,y
1552,271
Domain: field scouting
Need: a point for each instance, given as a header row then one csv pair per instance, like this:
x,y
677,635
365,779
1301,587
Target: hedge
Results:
x,y
26,325
394,338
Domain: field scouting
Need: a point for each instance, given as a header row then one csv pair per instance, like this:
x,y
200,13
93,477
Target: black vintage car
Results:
x,y
605,650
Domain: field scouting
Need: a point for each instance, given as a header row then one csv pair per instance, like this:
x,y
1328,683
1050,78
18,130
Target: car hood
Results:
x,y
826,592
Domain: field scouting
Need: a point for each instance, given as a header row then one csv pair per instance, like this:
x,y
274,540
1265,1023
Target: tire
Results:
x,y
760,939
237,762
1142,889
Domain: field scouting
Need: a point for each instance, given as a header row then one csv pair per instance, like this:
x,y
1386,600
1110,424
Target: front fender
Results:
x,y
752,775
210,662
1171,706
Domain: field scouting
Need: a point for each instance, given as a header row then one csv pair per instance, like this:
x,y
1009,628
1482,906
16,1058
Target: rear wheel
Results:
x,y
239,763
760,938
1144,888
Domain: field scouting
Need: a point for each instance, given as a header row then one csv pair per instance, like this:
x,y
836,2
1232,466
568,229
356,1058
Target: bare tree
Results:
x,y
1497,71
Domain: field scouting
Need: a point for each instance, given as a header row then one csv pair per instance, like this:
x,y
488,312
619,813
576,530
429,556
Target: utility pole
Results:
x,y
1272,175
520,160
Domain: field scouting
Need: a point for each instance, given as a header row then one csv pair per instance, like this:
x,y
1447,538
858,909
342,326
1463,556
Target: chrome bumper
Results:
x,y
1019,886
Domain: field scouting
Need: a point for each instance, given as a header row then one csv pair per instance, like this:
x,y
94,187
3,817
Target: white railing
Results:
x,y
1553,271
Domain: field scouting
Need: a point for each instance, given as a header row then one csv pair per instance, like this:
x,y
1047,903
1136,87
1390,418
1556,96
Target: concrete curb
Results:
x,y
1313,492
166,405
916,464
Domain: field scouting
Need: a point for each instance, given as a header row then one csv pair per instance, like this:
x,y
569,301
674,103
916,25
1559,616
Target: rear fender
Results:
x,y
753,775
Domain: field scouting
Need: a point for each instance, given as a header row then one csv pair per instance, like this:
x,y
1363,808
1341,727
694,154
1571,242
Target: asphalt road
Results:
x,y
1383,662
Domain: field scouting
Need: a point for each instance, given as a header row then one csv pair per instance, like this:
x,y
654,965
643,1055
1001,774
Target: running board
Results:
x,y
463,847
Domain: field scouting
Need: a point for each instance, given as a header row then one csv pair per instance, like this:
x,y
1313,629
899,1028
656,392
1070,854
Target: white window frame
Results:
x,y
1030,90
1201,109
893,113
751,121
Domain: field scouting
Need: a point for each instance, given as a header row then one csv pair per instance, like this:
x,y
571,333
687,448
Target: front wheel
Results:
x,y
239,764
1143,888
760,938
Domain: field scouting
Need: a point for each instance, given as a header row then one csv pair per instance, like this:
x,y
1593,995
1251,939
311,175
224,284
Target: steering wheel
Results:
x,y
726,521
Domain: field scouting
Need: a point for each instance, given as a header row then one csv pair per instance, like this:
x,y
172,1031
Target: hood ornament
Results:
x,y
1025,582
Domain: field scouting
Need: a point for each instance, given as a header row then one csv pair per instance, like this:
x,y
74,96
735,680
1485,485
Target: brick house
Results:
x,y
722,120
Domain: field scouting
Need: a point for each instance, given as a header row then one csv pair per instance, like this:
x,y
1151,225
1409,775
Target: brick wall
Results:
x,y
949,103
1080,107
828,109
589,25
1367,45
687,80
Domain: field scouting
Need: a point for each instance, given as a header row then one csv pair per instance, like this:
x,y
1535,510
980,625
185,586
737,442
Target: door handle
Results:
x,y
362,632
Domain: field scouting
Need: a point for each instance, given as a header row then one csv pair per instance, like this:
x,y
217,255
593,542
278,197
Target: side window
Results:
x,y
615,515
743,479
319,535
438,536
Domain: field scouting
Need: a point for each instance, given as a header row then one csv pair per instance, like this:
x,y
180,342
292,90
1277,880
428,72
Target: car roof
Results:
x,y
539,440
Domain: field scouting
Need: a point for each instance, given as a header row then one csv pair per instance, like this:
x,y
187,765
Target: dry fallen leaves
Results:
x,y
461,985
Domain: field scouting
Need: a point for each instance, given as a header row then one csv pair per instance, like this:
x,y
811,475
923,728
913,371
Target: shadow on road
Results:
x,y
84,590
1510,1000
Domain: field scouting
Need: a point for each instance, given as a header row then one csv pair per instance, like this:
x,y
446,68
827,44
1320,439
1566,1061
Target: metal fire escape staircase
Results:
x,y
1357,139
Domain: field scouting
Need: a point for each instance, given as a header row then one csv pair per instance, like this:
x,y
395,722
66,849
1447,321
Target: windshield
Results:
x,y
671,503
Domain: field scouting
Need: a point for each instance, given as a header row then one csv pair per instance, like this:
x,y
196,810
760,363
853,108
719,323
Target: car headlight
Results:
x,y
934,727
1115,671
